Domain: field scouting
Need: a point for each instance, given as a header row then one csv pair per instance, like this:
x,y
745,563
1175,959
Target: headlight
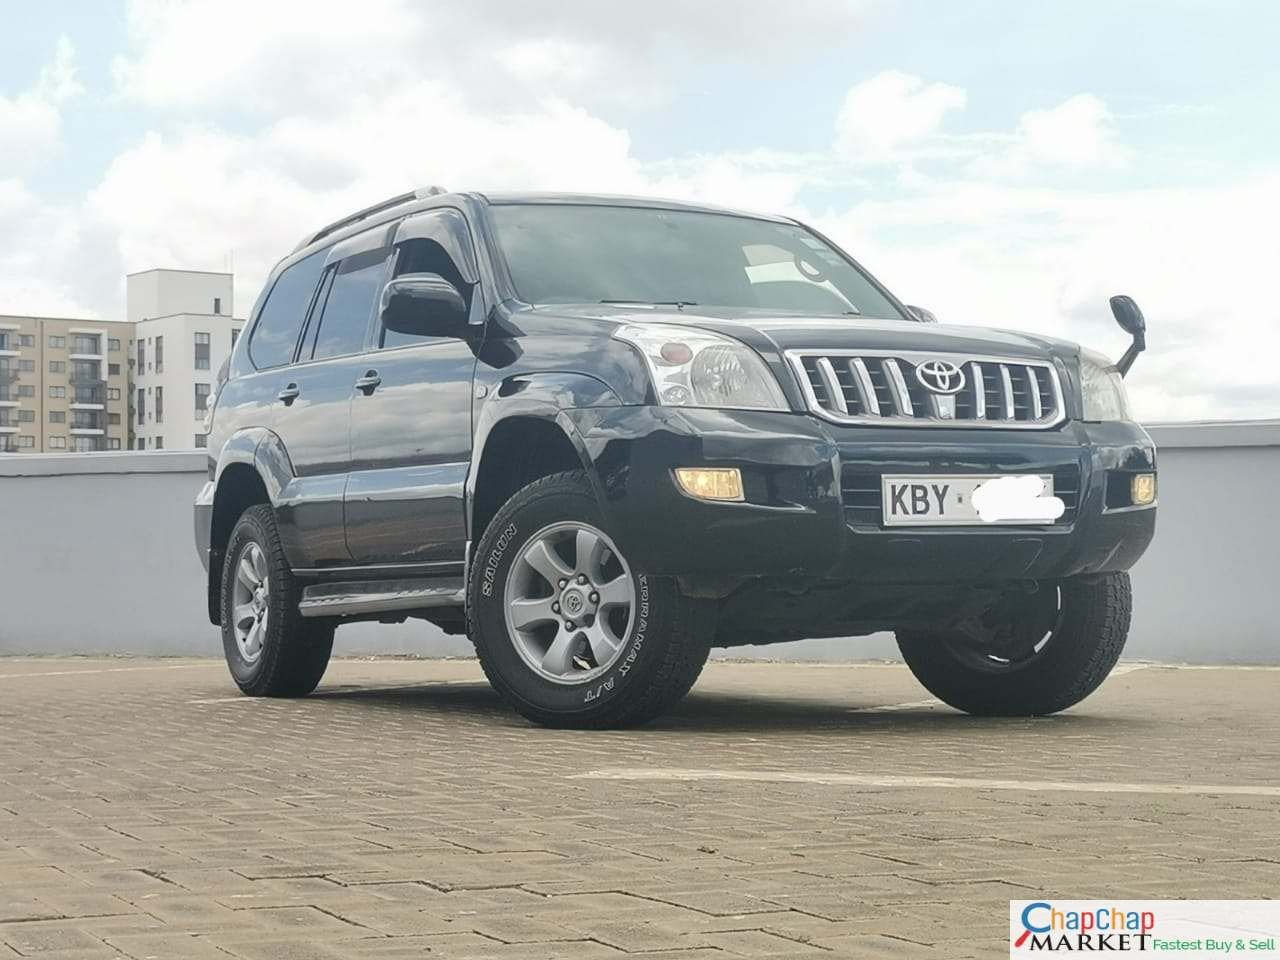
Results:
x,y
693,368
1103,389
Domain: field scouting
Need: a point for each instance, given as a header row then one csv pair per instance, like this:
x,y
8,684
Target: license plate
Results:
x,y
948,501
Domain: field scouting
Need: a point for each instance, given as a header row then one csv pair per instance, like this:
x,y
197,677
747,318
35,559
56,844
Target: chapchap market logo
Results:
x,y
1100,928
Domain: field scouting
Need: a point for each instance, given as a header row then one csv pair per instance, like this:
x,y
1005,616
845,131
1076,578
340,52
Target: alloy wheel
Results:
x,y
569,602
250,601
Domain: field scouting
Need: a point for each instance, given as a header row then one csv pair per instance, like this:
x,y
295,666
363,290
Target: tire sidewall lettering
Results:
x,y
625,665
490,573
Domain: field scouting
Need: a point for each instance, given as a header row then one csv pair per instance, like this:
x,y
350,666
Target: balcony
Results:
x,y
88,395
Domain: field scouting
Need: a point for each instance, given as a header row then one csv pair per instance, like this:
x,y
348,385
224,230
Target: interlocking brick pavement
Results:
x,y
147,810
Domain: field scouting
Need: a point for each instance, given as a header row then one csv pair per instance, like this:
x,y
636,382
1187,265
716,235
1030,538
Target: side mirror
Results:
x,y
424,305
921,314
1129,316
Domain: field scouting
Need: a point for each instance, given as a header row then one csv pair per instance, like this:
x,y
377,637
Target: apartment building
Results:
x,y
63,385
183,331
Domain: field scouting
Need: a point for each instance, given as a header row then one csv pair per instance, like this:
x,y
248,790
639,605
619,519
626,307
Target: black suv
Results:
x,y
600,435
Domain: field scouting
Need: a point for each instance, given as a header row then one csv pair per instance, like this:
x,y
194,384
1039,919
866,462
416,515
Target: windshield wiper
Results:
x,y
678,304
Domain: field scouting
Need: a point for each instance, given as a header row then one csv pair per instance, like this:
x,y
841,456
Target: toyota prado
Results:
x,y
602,435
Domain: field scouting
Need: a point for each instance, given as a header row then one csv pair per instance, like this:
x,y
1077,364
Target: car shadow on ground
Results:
x,y
719,712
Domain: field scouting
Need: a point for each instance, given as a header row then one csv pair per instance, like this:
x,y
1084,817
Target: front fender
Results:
x,y
540,396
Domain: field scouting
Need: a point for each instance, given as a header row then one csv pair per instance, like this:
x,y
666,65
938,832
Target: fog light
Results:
x,y
1142,489
711,483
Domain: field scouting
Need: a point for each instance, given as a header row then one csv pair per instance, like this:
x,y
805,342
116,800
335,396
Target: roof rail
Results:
x,y
420,194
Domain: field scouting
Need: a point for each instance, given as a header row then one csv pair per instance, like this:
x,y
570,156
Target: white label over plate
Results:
x,y
969,500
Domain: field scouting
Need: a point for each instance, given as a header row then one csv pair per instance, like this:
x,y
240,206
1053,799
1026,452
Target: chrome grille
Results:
x,y
881,388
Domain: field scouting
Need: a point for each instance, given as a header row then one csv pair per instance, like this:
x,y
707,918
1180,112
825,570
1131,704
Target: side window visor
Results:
x,y
448,228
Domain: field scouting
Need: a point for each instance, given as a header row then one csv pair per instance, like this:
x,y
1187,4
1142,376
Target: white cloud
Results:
x,y
316,55
892,110
1047,259
989,226
31,121
1078,133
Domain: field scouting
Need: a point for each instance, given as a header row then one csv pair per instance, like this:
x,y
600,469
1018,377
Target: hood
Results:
x,y
772,333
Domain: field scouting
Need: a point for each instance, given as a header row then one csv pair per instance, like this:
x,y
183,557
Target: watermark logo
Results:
x,y
1102,927
1189,928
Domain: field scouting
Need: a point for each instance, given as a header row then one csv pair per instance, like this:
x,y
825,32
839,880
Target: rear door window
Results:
x,y
349,304
275,335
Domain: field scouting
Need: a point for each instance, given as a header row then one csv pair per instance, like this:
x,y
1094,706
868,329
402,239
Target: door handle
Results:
x,y
288,394
369,382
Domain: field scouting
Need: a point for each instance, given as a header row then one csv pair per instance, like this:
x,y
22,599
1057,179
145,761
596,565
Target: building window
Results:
x,y
57,366
201,441
113,443
26,340
113,345
57,416
159,444
159,404
26,416
142,405
28,442
57,443
58,342
86,394
142,356
141,443
113,393
85,343
159,358
202,399
217,305
26,389
27,366
57,393
202,351
113,369
235,335
84,444
5,342
113,419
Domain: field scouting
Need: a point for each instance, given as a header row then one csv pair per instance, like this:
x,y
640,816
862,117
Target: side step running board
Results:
x,y
379,596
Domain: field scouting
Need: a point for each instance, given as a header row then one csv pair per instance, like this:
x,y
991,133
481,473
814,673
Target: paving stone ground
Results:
x,y
147,810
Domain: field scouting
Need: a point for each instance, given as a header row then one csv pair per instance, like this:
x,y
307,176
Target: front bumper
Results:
x,y
812,509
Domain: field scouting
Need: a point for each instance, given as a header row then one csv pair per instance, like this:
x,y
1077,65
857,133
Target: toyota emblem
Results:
x,y
940,376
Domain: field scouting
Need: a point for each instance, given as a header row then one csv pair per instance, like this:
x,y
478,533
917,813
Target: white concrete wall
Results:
x,y
98,558
160,293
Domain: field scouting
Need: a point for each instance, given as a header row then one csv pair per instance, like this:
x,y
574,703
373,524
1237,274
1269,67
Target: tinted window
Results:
x,y
276,332
568,253
349,305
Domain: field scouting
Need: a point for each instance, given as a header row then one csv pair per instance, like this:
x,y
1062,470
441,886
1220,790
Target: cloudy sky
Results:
x,y
1001,163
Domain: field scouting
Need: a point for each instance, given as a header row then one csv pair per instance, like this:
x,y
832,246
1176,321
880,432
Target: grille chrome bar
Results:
x,y
867,389
832,384
901,395
1007,381
882,388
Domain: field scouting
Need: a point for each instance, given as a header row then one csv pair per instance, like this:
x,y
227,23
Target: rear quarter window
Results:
x,y
275,335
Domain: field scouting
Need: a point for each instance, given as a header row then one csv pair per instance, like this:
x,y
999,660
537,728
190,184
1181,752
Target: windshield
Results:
x,y
582,253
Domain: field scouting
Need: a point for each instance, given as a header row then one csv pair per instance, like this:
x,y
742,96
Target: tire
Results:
x,y
289,653
1087,632
662,637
